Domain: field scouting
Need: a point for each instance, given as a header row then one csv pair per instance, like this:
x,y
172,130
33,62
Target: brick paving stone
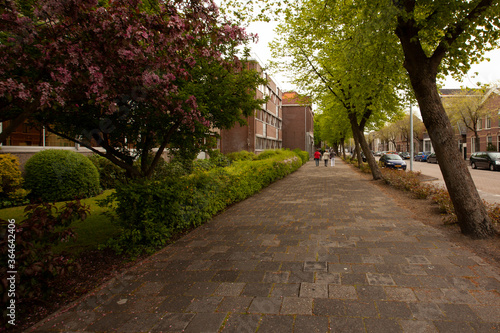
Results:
x,y
353,279
268,305
109,321
342,292
292,266
175,304
297,306
310,324
486,327
364,268
486,297
268,266
347,325
328,307
257,289
286,289
421,326
375,325
430,295
426,311
142,322
455,327
327,277
429,281
276,277
241,323
390,309
371,292
204,304
273,324
313,290
229,289
459,296
235,304
251,276
205,322
458,312
407,280
339,268
376,279
225,276
202,289
360,308
299,277
173,322
400,294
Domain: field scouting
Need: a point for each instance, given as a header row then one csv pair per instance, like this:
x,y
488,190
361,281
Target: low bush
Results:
x,y
43,227
110,175
304,155
218,159
241,156
57,175
11,181
151,211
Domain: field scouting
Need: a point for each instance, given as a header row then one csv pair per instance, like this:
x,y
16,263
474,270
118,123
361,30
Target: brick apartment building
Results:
x,y
488,125
298,122
264,128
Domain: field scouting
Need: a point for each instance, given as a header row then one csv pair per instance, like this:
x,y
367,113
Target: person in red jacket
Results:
x,y
317,157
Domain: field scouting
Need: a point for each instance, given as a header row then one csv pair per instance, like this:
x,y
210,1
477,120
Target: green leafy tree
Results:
x,y
464,109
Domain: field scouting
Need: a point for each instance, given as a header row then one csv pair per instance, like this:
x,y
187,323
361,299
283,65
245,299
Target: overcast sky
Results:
x,y
489,72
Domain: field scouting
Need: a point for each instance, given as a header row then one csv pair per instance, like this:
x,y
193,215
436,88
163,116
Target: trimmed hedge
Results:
x,y
150,212
58,175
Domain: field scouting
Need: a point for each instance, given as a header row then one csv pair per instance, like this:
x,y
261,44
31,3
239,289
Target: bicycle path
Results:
x,y
319,251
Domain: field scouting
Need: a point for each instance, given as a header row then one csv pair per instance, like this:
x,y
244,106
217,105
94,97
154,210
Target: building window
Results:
x,y
473,145
488,122
264,130
479,124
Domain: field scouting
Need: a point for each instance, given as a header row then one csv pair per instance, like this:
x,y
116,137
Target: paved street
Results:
x,y
487,182
320,251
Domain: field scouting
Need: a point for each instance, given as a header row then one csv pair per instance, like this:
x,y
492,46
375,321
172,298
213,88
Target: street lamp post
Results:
x,y
411,136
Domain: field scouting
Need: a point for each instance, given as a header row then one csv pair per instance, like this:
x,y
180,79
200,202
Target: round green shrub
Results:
x,y
57,175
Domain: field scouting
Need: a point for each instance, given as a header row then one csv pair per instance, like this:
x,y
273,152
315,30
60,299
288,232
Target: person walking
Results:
x,y
326,157
317,156
332,158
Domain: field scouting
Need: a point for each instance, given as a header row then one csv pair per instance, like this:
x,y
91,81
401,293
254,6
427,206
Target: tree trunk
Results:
x,y
358,133
469,208
477,144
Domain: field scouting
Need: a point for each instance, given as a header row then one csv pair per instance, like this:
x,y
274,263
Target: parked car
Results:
x,y
422,156
432,158
418,156
485,159
393,161
405,155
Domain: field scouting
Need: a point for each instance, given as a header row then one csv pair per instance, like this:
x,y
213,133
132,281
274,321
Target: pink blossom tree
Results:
x,y
132,77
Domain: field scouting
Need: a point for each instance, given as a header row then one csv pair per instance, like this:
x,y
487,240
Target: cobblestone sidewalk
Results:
x,y
319,251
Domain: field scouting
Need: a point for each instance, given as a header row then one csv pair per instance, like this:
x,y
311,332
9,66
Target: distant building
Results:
x,y
298,122
264,128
